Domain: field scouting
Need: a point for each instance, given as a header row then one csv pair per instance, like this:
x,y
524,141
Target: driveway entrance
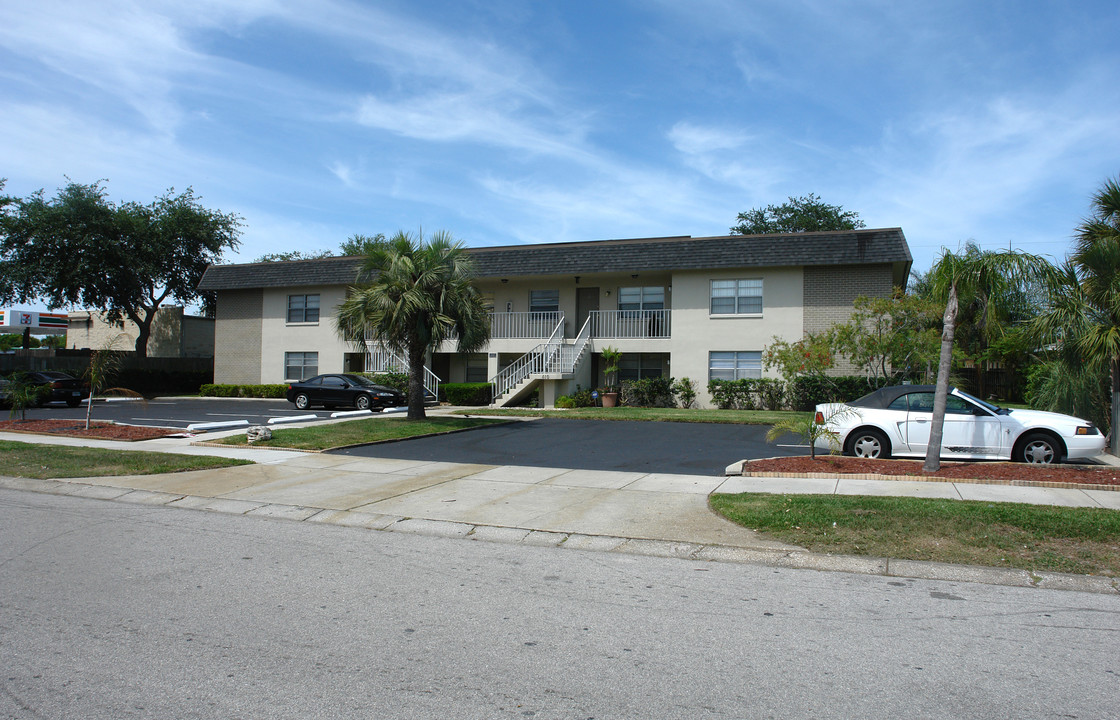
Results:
x,y
663,447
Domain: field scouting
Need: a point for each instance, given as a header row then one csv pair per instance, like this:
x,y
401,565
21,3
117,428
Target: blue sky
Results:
x,y
511,122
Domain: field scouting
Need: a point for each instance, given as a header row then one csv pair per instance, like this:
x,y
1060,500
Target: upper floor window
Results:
x,y
736,297
544,300
641,298
303,308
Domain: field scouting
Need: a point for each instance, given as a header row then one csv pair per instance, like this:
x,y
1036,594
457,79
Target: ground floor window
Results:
x,y
300,365
734,365
476,369
639,366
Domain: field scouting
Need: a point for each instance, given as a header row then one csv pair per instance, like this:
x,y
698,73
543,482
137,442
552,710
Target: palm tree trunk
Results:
x,y
416,352
941,394
1115,415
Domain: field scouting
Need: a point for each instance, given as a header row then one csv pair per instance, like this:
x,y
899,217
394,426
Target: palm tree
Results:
x,y
1084,313
986,279
413,296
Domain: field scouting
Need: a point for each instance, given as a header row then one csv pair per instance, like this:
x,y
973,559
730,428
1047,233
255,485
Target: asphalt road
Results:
x,y
112,610
679,448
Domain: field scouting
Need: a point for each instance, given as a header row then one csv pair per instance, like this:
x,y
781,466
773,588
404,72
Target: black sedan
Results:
x,y
58,386
343,389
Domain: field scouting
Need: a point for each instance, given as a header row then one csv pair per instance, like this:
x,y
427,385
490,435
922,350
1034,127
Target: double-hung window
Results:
x,y
641,298
303,308
734,365
300,365
736,297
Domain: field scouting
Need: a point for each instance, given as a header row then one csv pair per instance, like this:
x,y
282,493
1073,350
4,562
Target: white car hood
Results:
x,y
1042,417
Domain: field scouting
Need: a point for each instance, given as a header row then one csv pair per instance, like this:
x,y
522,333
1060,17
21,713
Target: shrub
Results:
x,y
806,392
467,393
748,394
566,403
582,397
650,392
685,392
244,391
395,380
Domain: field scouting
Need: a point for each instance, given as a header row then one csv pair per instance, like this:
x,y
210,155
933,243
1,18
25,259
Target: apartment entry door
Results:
x,y
587,299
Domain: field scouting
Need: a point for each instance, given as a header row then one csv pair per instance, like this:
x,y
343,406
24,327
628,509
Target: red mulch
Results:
x,y
77,428
1002,472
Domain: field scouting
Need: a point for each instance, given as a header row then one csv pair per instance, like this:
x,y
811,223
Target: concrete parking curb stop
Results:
x,y
699,551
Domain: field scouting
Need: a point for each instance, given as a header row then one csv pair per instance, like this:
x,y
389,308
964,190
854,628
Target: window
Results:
x,y
544,300
641,298
303,308
639,366
476,369
734,365
301,365
736,297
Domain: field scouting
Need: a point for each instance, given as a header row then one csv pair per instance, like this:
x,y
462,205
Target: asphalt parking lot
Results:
x,y
668,447
179,412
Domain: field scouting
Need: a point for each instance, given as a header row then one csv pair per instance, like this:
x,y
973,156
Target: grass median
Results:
x,y
362,432
31,460
692,415
1029,537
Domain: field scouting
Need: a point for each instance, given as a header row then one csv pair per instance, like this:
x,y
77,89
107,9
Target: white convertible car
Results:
x,y
896,421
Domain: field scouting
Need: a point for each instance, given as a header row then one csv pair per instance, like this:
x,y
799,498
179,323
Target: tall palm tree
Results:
x,y
413,296
984,278
1085,310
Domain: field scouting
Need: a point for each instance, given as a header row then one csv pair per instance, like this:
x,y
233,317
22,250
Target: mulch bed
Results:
x,y
77,428
994,472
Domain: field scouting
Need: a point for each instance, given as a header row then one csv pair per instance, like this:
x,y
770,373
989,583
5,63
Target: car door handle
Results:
x,y
921,420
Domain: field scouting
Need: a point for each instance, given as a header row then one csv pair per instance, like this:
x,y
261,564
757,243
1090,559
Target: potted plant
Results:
x,y
611,358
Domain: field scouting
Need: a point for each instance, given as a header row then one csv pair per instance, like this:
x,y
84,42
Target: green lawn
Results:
x,y
1030,537
360,432
53,461
741,417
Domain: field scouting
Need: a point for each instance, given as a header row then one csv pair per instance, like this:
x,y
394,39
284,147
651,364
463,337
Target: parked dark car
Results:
x,y
62,387
3,393
343,389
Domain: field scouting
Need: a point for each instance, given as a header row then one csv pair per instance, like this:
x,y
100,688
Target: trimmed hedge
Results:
x,y
649,392
804,393
395,380
467,393
748,394
243,391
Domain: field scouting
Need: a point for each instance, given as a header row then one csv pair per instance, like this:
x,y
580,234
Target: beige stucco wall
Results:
x,y
279,336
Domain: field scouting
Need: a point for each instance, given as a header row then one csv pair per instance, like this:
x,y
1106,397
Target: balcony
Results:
x,y
630,324
510,325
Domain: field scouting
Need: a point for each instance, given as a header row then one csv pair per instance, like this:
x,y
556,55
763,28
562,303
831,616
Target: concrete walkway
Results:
x,y
646,513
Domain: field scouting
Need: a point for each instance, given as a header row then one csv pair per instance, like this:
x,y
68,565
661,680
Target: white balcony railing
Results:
x,y
630,323
381,359
504,325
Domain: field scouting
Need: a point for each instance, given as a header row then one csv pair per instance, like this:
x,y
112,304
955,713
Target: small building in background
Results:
x,y
174,333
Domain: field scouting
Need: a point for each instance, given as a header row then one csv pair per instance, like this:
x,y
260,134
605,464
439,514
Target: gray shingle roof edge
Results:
x,y
855,247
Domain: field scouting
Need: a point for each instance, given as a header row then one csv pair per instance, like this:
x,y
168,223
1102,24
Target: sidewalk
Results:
x,y
644,513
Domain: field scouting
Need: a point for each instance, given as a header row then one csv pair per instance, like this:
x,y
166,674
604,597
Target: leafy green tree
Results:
x,y
290,255
1084,313
358,244
802,214
127,259
413,295
984,278
889,337
812,356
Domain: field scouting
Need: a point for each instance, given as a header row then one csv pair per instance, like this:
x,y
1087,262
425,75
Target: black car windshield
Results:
x,y
361,380
986,405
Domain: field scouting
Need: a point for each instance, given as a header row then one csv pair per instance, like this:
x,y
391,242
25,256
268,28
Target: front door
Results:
x,y
587,299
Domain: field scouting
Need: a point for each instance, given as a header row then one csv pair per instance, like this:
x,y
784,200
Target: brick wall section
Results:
x,y
830,291
237,336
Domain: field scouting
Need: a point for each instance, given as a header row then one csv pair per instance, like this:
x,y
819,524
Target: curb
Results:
x,y
801,560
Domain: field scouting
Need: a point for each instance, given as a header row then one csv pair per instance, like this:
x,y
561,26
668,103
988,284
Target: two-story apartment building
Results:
x,y
702,308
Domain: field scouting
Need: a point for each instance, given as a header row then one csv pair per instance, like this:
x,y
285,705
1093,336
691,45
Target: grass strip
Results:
x,y
1085,541
692,415
32,460
360,432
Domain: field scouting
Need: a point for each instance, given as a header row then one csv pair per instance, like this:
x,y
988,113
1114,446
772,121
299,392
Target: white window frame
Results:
x,y
648,298
734,364
742,293
297,367
536,297
305,309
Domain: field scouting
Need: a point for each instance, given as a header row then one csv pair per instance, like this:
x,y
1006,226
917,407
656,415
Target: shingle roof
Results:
x,y
856,247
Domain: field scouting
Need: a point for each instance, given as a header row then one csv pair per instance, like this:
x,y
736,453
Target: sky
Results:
x,y
513,122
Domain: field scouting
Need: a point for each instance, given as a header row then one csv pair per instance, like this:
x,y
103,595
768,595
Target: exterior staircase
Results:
x,y
380,359
555,359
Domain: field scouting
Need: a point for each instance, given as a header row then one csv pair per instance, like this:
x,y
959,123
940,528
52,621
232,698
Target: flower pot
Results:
x,y
610,399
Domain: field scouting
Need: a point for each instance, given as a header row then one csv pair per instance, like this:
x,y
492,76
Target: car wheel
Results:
x,y
869,443
1038,449
302,401
73,402
362,402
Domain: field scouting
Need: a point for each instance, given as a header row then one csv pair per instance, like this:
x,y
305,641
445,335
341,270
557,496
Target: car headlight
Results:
x,y
1087,430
